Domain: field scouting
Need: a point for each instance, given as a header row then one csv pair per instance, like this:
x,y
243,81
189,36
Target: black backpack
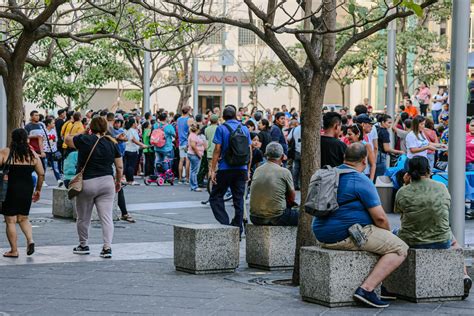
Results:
x,y
238,153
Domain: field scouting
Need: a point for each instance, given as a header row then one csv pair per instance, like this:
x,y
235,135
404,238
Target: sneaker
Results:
x,y
60,183
467,286
81,250
369,298
197,190
386,295
106,253
45,184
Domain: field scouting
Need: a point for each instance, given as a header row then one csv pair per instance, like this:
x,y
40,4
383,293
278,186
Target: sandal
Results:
x,y
8,254
128,218
30,249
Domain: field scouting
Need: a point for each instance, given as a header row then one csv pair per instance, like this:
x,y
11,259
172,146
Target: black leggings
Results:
x,y
121,202
423,109
130,161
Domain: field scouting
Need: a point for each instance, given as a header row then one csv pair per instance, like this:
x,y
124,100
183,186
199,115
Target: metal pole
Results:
x,y
390,99
3,105
457,116
369,83
239,89
195,86
146,78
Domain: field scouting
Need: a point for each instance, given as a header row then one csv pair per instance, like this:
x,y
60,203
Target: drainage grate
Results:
x,y
40,220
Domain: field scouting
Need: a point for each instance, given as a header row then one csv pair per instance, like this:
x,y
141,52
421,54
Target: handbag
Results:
x,y
4,179
75,185
57,156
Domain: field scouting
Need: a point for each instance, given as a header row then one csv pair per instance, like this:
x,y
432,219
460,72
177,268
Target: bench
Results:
x,y
330,277
62,206
270,247
429,275
206,248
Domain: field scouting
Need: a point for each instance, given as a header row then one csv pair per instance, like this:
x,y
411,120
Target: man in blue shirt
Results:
x,y
164,154
227,176
359,203
183,133
277,132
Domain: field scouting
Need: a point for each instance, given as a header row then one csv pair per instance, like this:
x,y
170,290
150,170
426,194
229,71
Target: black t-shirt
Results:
x,y
332,151
265,138
384,138
102,158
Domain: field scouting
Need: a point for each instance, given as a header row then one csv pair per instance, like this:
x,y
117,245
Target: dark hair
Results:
x,y
185,109
103,113
355,152
41,117
258,116
344,120
176,117
19,147
198,118
229,112
162,116
357,130
76,116
402,108
61,111
250,123
409,101
429,123
406,94
418,166
48,121
69,114
110,116
98,125
384,118
278,115
33,113
145,125
330,119
147,115
266,124
360,109
404,116
416,125
408,123
129,123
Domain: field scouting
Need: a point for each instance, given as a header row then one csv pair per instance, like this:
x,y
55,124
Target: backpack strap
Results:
x,y
228,128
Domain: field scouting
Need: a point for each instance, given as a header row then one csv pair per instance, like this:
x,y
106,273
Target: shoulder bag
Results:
x,y
57,154
4,178
75,185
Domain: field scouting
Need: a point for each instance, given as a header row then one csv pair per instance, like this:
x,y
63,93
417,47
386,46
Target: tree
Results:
x,y
75,73
316,30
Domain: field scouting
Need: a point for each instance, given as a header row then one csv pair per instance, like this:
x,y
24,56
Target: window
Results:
x,y
215,37
442,27
247,37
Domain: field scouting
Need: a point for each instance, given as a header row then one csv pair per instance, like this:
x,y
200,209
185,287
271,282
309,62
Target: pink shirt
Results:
x,y
424,95
431,136
469,148
200,144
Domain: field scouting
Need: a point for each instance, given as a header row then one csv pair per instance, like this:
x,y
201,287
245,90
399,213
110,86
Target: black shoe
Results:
x,y
386,295
369,298
467,286
106,253
81,250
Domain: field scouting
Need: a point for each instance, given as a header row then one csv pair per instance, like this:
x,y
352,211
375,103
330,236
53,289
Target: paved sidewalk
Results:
x,y
141,279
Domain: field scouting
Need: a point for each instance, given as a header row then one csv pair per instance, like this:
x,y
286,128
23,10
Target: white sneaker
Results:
x,y
45,185
60,183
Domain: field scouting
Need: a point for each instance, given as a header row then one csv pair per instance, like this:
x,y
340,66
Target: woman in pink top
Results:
x,y
470,147
424,97
431,136
196,147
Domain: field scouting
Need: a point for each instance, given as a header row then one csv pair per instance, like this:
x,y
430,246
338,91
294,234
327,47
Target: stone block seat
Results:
x,y
270,247
62,206
429,275
206,248
330,277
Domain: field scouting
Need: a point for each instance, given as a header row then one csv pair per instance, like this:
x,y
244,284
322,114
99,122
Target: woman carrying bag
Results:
x,y
17,191
97,153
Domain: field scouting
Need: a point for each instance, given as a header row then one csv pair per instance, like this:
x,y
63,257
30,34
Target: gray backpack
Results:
x,y
322,192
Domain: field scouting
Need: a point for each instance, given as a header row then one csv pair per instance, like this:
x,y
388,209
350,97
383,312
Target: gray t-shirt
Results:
x,y
270,186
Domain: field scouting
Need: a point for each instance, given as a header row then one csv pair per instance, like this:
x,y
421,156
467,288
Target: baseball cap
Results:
x,y
364,118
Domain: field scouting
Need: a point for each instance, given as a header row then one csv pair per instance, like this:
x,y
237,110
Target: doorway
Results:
x,y
208,102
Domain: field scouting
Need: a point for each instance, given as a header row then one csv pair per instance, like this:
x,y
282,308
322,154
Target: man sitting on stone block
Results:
x,y
424,205
360,204
271,193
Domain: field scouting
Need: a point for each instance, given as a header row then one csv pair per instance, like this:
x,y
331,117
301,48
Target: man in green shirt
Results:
x,y
272,193
209,133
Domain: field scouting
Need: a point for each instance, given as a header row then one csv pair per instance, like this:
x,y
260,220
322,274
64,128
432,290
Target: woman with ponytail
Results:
x,y
424,207
20,162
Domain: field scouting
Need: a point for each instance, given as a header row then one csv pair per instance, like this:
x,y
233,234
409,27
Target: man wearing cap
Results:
x,y
272,193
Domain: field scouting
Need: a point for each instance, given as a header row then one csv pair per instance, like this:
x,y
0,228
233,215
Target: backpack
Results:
x,y
321,200
158,138
292,146
238,153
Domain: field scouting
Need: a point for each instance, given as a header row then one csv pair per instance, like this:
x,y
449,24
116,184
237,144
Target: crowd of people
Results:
x,y
233,151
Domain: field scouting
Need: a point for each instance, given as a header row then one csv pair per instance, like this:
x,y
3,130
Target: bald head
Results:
x,y
355,153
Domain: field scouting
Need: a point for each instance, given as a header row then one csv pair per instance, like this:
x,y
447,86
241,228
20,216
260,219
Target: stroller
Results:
x,y
162,175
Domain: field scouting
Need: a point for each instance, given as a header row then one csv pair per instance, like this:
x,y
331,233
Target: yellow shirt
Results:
x,y
70,128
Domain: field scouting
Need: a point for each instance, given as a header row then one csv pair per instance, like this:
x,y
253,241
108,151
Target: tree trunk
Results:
x,y
14,92
184,96
312,98
343,95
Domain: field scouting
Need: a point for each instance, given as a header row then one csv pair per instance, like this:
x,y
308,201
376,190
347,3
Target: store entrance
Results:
x,y
208,102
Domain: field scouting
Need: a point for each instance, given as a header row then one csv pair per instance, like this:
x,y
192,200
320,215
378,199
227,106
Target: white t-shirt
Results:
x,y
413,142
437,106
131,146
372,135
296,134
53,139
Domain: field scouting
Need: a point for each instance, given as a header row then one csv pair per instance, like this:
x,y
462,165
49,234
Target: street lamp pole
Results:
x,y
146,78
391,55
195,86
3,105
457,116
224,36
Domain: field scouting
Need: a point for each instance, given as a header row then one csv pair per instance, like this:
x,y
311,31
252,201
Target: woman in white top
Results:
x,y
132,148
438,100
416,141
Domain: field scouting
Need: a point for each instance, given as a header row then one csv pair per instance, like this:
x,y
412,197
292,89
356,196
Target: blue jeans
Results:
x,y
195,162
161,158
54,165
435,115
381,165
235,179
288,218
